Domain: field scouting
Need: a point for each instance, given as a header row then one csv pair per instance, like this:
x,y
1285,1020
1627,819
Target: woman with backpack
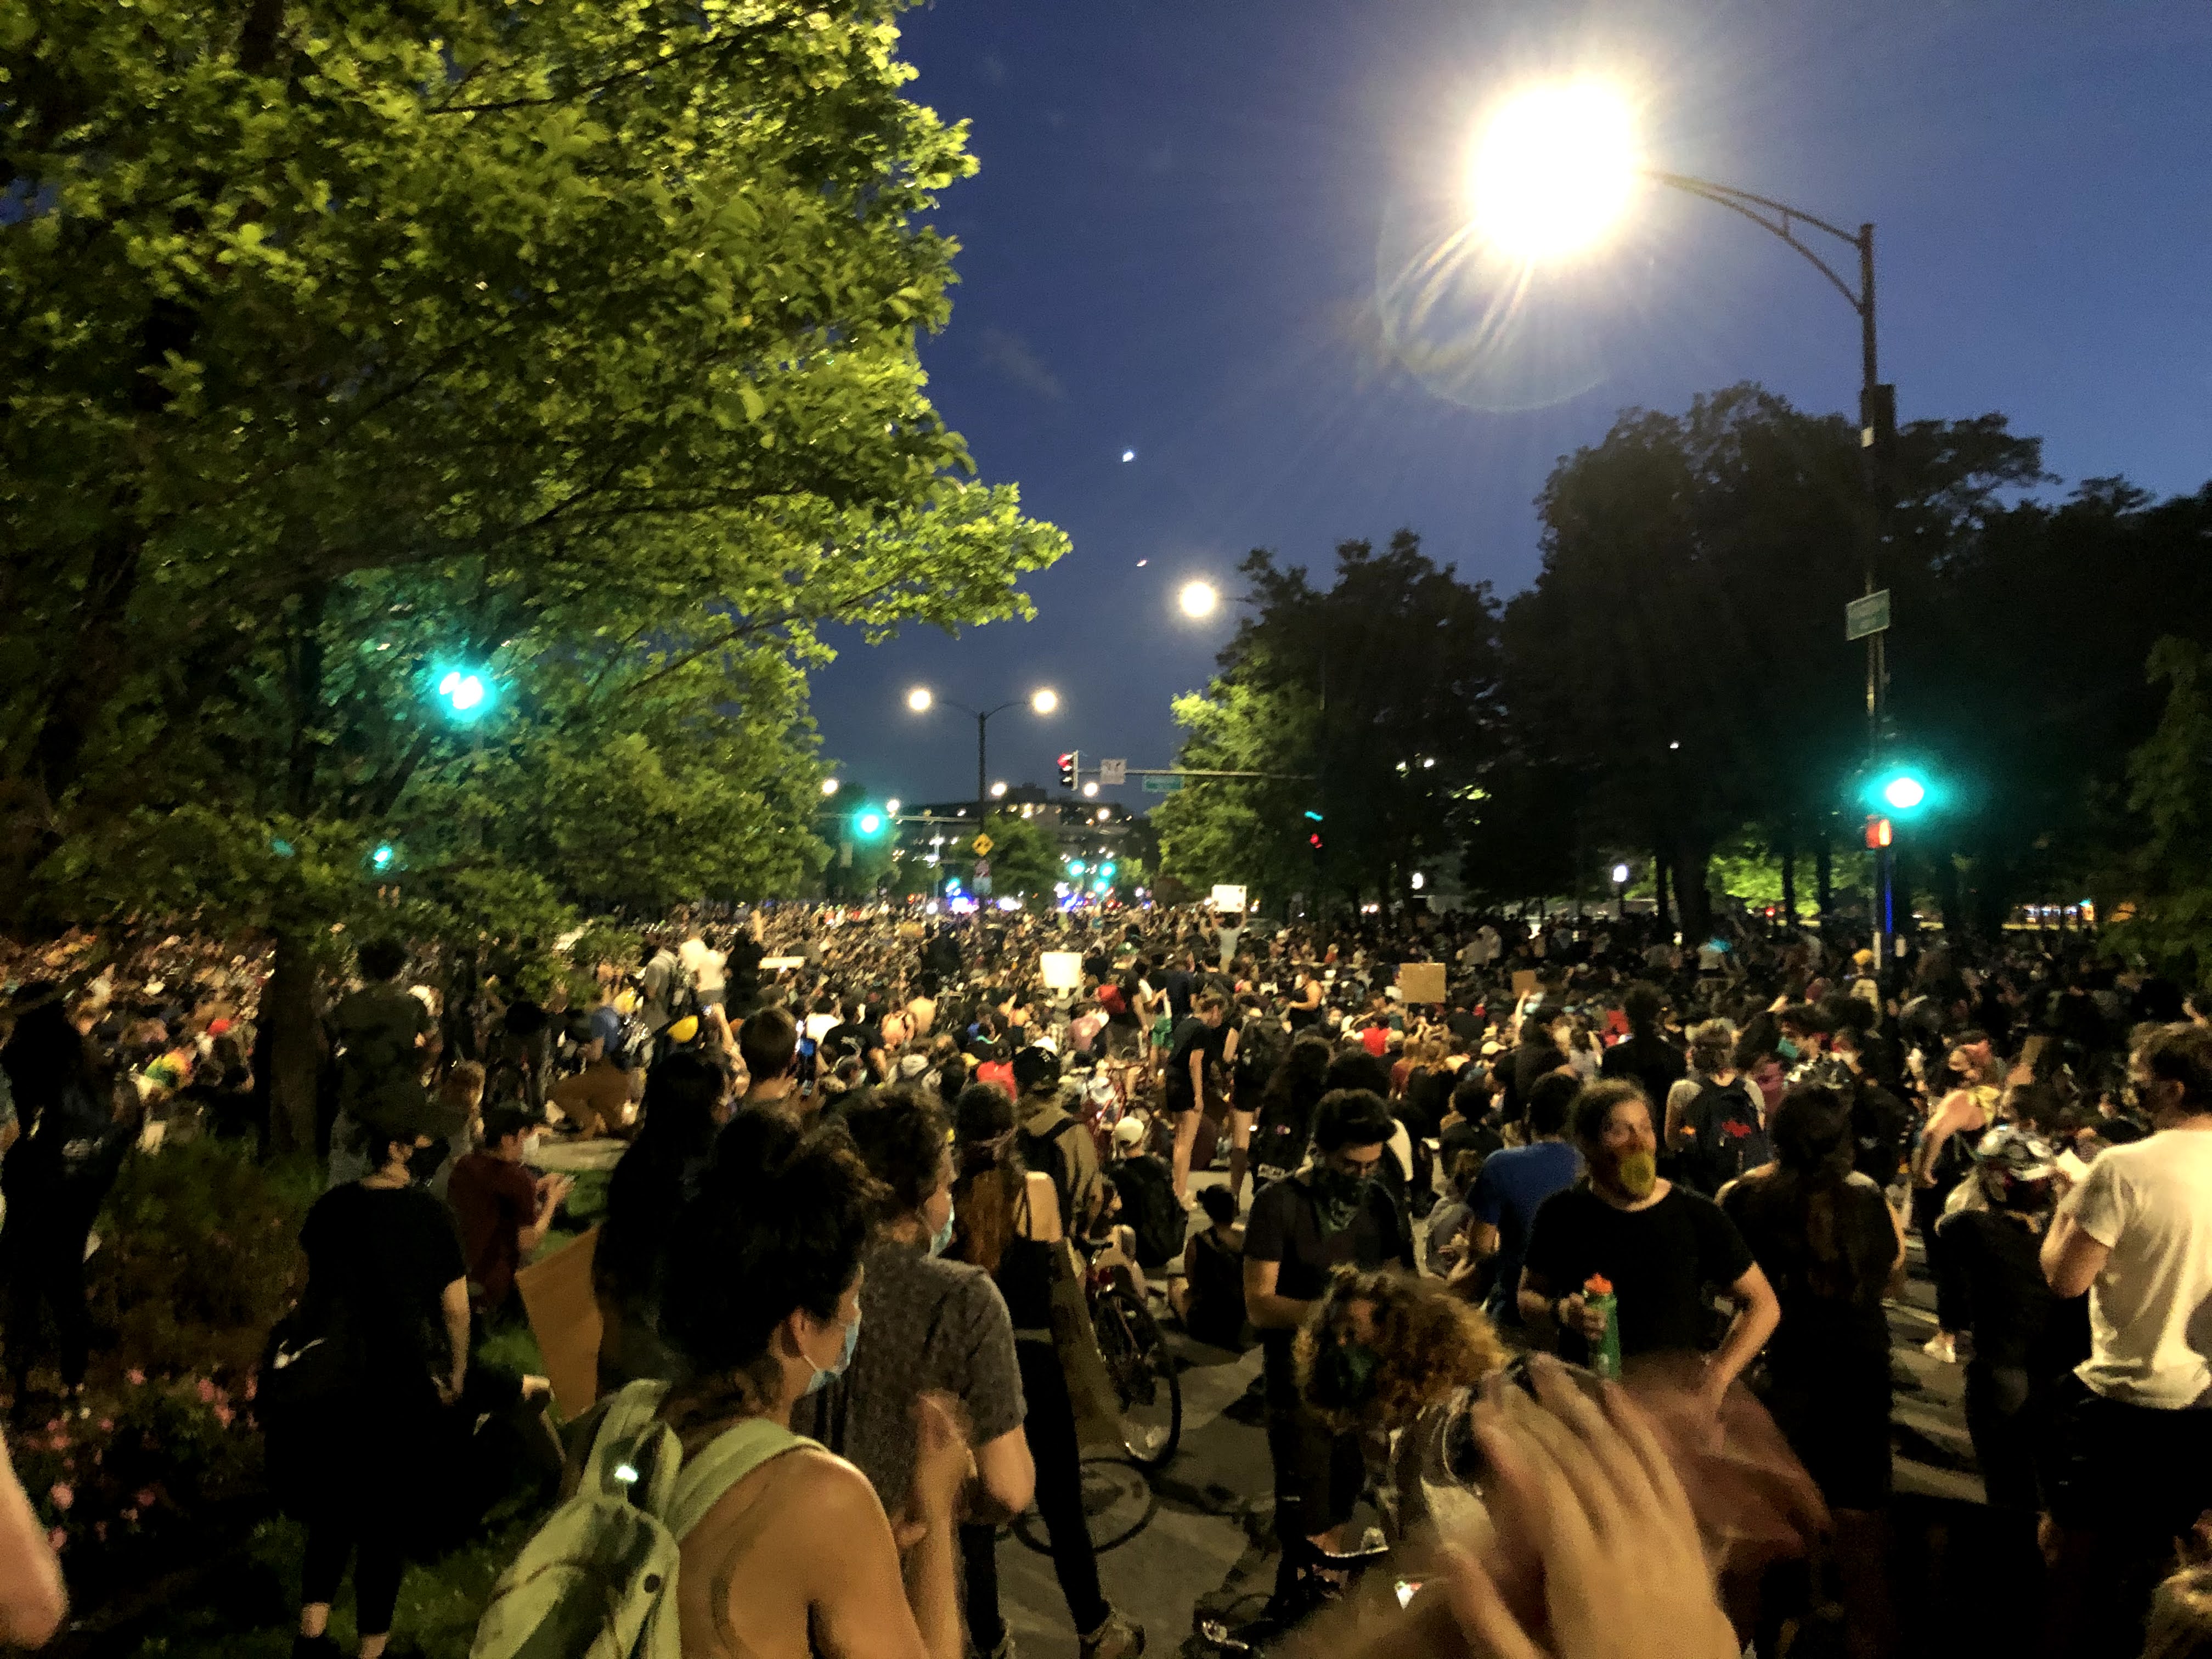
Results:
x,y
1007,1222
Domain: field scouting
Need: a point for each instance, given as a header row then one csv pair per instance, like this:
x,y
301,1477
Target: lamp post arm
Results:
x,y
1778,219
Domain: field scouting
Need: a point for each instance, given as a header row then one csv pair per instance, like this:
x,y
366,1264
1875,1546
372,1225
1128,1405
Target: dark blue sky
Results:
x,y
1174,242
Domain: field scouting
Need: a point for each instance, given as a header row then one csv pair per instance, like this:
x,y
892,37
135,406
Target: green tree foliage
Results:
x,y
1679,668
1024,859
340,343
2168,878
1380,687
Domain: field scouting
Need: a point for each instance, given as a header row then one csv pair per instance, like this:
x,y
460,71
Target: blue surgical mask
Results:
x,y
823,1378
1786,1048
942,1240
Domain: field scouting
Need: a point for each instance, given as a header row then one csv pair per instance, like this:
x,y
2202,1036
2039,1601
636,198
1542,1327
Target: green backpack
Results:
x,y
598,1580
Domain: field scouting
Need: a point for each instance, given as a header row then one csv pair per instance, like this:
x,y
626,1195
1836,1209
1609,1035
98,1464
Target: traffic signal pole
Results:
x,y
1877,439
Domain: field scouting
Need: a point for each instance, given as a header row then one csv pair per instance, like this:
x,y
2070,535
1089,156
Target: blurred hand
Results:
x,y
943,1464
1576,1314
1624,1575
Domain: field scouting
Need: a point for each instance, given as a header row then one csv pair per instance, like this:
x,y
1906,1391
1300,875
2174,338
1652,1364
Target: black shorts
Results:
x,y
2107,1465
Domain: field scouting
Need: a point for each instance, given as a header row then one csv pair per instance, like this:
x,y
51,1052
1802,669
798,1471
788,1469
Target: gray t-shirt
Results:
x,y
926,1325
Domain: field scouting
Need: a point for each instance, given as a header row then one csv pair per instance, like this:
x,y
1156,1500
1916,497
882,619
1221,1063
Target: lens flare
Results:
x,y
1553,169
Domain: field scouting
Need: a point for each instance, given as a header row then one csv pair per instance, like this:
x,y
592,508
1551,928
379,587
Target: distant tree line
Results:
x,y
1676,686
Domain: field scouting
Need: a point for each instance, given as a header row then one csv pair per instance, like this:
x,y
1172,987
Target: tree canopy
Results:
x,y
342,345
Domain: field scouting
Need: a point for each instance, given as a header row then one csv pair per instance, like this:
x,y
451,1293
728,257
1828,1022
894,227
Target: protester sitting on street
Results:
x,y
384,1264
1659,1247
503,1210
1007,1222
1209,1298
762,1300
594,1101
2129,1445
930,1324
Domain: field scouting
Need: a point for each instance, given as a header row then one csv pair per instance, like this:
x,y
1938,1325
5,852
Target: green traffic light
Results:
x,y
466,693
1900,791
869,823
1076,866
1905,793
1107,871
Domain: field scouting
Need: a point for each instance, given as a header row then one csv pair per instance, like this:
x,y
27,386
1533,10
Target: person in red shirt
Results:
x,y
503,1210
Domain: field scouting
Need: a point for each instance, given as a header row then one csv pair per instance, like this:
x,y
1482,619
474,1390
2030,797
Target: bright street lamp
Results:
x,y
1044,700
998,790
828,785
1621,875
1198,599
918,699
1553,169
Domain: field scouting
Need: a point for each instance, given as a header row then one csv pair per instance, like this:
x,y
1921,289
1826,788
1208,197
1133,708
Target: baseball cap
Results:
x,y
1129,1131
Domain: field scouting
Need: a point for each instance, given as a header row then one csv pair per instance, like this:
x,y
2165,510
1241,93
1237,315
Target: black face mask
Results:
x,y
1338,1194
425,1161
1344,1376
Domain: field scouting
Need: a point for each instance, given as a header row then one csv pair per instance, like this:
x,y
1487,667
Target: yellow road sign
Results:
x,y
982,844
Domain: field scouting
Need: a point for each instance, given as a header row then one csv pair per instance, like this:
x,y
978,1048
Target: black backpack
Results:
x,y
1149,1206
1279,1138
1260,1047
1045,1155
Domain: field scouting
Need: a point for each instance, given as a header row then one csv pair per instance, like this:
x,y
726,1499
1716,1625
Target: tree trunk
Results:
x,y
1659,891
288,1005
1690,897
1824,880
1789,873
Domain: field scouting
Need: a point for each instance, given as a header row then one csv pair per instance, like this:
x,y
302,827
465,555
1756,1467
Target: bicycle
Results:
x,y
1147,1393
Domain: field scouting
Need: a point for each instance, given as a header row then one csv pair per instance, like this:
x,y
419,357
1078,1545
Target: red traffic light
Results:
x,y
1314,840
1879,834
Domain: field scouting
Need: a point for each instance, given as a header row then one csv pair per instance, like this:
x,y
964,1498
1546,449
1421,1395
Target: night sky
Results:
x,y
1185,236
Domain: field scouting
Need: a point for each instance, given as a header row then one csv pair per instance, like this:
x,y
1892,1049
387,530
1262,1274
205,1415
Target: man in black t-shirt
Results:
x,y
1201,1044
1331,1213
1659,1245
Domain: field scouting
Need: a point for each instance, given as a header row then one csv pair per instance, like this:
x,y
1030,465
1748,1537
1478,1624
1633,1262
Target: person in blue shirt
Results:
x,y
1515,1181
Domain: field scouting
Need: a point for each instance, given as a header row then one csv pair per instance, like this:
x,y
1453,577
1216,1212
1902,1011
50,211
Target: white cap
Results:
x,y
1129,1131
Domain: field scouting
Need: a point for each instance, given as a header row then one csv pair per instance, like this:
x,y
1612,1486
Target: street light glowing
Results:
x,y
1621,875
828,785
891,807
1198,599
1553,169
920,698
998,790
1905,791
1090,790
1044,700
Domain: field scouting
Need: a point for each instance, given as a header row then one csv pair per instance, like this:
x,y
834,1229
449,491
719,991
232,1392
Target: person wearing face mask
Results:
x,y
930,1324
503,1210
1331,1213
1658,1244
385,1265
762,1301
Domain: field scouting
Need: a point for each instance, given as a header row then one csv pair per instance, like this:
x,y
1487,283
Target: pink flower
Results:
x,y
135,1376
57,1540
61,1495
207,1392
143,1497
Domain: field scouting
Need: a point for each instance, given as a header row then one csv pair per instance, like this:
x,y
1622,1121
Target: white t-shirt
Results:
x,y
2150,1309
817,1026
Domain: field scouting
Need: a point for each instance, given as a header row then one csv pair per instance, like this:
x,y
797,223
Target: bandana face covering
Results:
x,y
1637,1173
1338,1194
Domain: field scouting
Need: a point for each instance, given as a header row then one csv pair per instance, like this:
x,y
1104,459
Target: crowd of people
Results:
x,y
1584,1260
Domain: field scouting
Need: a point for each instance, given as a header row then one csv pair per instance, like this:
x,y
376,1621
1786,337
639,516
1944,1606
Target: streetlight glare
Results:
x,y
1090,790
1198,599
828,785
1044,700
920,698
1905,793
998,790
1621,875
1553,169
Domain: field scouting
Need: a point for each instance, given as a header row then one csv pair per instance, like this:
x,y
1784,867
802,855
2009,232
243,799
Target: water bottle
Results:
x,y
1605,1350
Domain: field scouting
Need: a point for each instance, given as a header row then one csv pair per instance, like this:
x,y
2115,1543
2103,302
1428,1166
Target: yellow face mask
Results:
x,y
1637,1173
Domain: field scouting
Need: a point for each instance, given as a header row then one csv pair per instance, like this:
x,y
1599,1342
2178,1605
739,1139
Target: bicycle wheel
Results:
x,y
1148,1395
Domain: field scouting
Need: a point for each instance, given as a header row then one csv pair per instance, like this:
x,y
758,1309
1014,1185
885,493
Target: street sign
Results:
x,y
1867,615
982,887
982,844
982,869
1162,783
1112,772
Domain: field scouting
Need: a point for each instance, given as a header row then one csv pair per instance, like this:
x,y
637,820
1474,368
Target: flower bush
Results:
x,y
198,1257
